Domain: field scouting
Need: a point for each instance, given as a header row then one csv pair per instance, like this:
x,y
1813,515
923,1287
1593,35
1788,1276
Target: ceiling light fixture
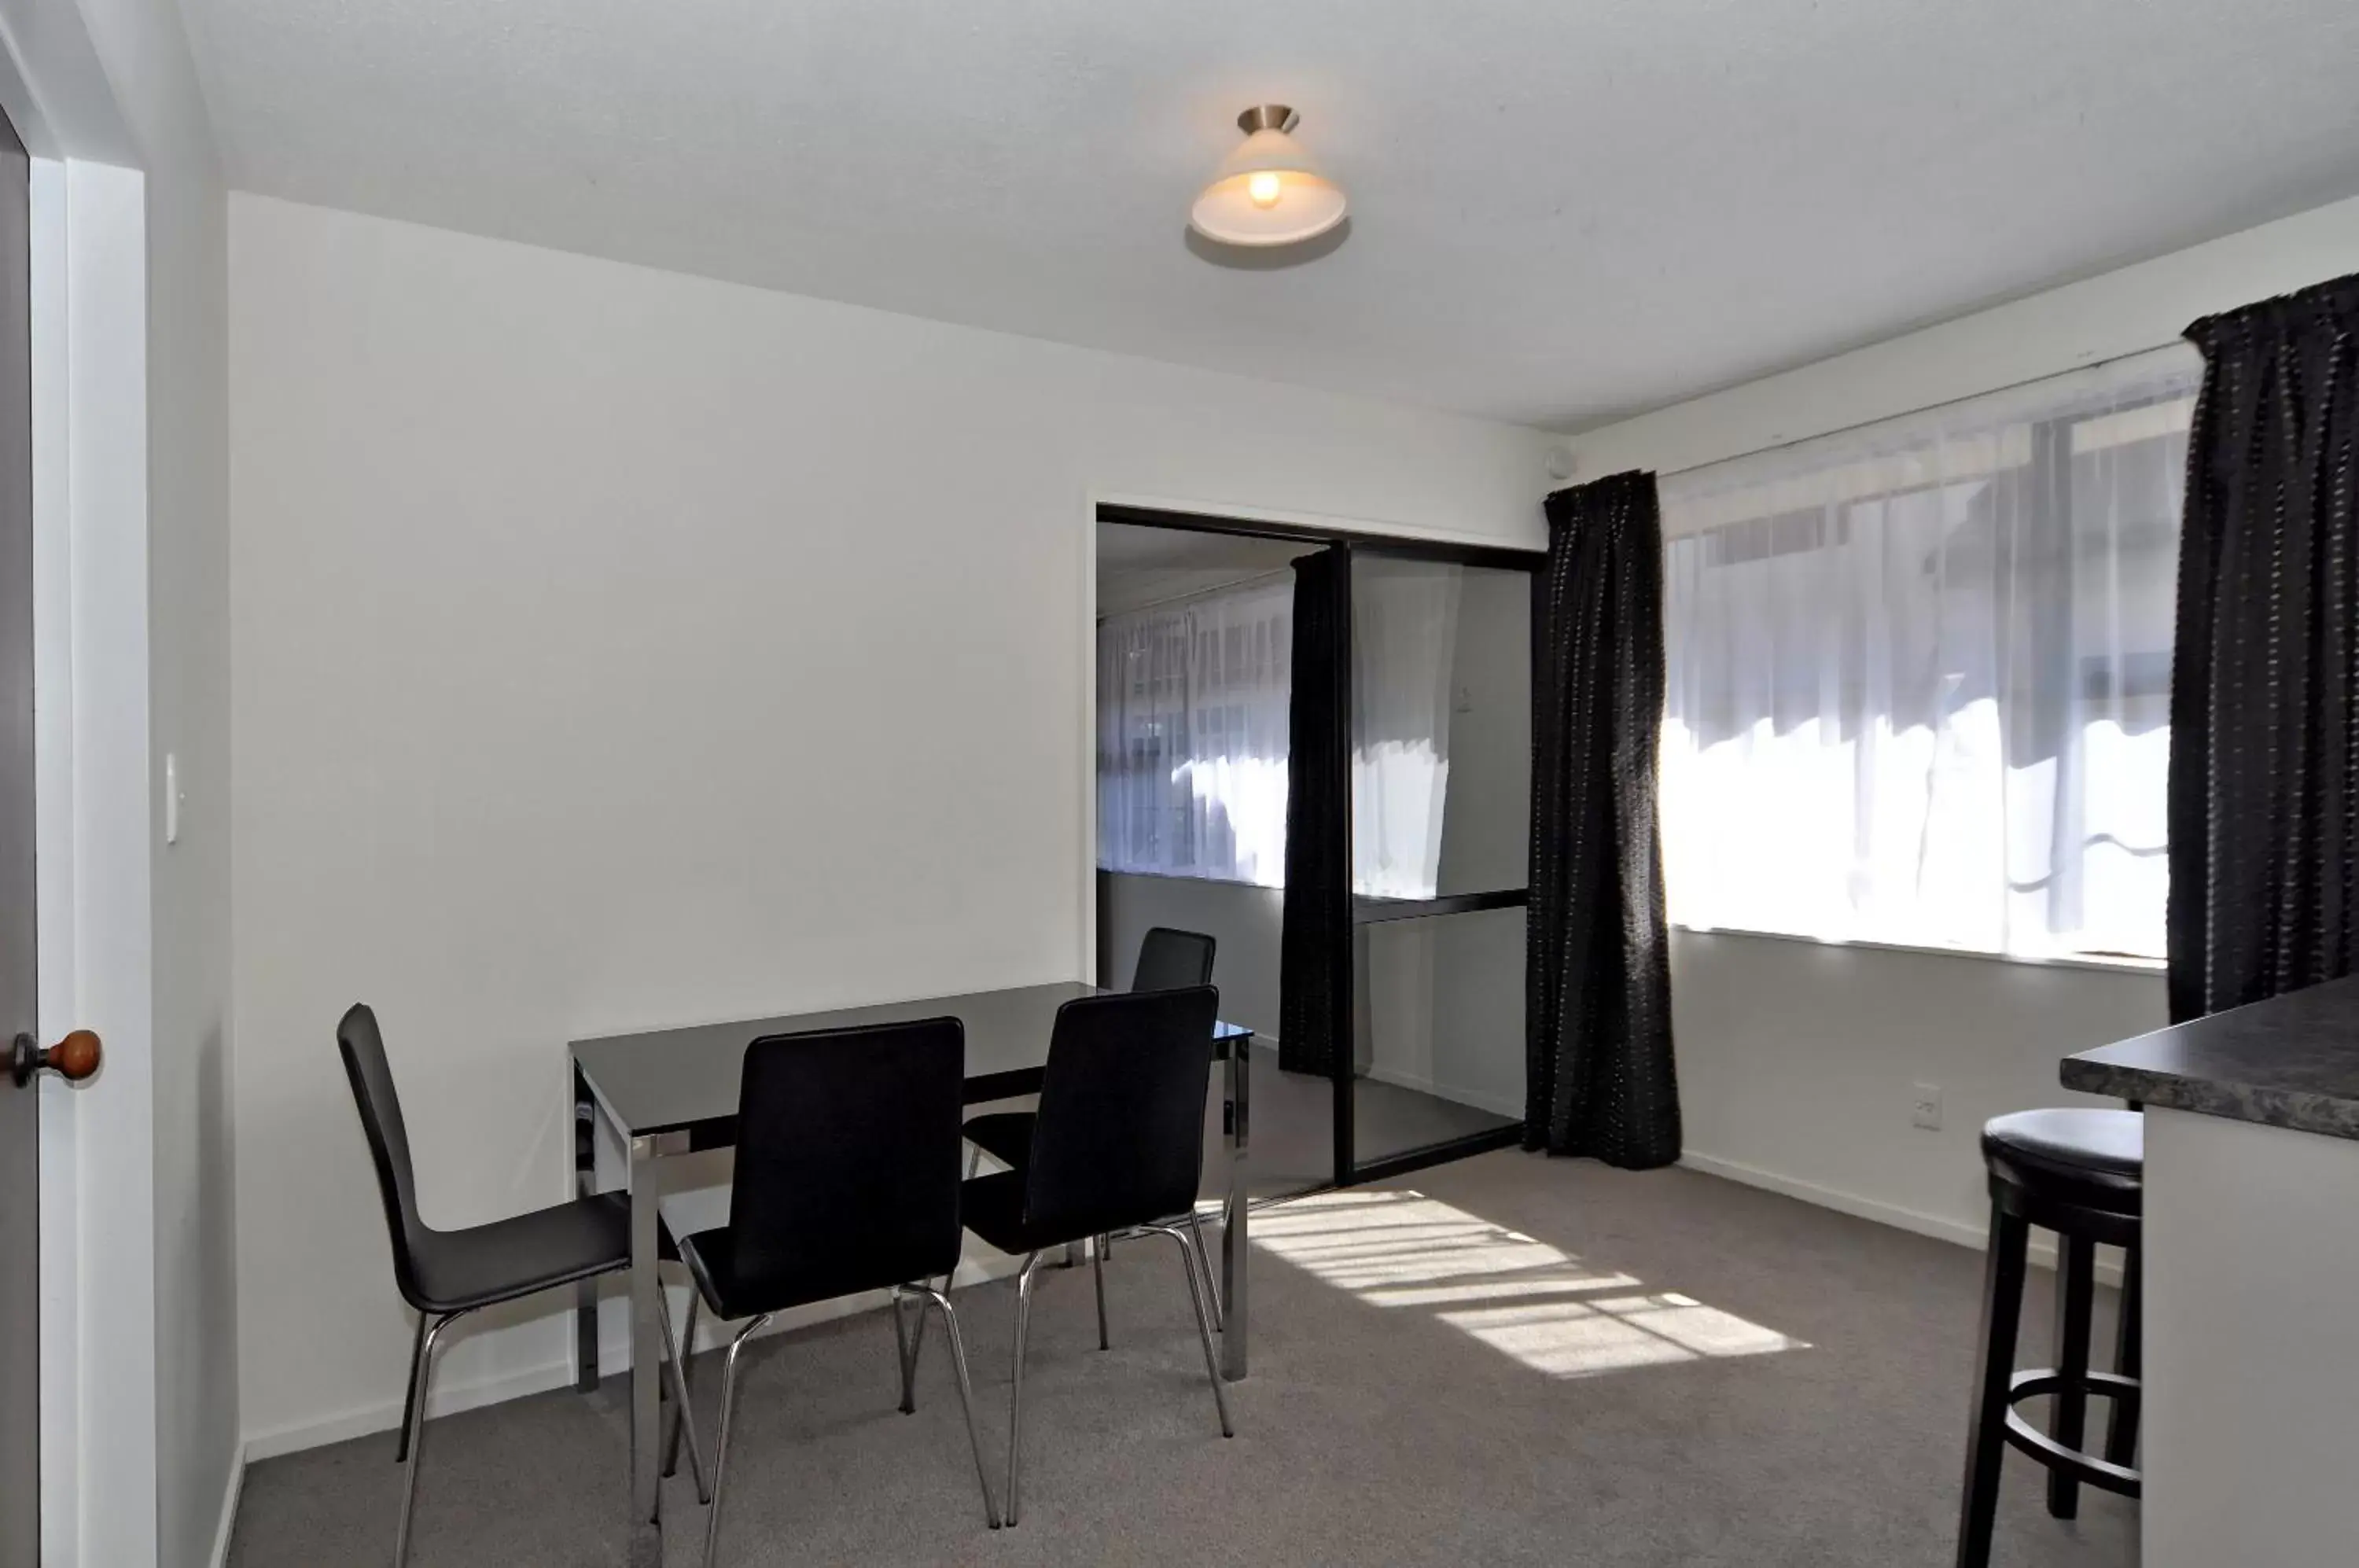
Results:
x,y
1268,192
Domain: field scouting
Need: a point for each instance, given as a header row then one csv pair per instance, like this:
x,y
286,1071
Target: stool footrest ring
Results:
x,y
2096,1472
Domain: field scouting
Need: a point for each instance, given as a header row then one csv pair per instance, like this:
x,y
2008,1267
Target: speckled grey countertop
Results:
x,y
2290,1062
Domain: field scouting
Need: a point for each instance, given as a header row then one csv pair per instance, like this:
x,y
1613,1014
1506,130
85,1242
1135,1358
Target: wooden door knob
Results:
x,y
74,1058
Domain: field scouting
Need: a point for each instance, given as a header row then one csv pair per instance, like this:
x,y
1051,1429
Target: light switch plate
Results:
x,y
171,798
1927,1110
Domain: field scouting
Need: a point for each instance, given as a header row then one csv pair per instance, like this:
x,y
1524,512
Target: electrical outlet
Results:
x,y
1927,1110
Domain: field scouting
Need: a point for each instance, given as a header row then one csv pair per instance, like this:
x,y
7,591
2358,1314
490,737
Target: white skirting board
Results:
x,y
2043,1244
1497,1105
228,1526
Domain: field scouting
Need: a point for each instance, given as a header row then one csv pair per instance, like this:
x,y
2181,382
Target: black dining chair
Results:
x,y
446,1274
846,1180
1172,960
1117,1149
1168,960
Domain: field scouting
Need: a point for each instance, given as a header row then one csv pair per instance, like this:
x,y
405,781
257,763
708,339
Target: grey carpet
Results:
x,y
1369,1432
1294,1126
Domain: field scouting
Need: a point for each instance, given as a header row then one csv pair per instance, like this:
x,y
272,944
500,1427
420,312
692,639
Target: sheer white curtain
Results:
x,y
1403,650
1192,710
1918,674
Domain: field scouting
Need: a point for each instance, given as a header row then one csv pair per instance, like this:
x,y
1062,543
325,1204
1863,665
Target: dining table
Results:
x,y
668,1093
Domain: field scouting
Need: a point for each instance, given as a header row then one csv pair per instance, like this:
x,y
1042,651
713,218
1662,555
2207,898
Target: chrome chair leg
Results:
x,y
917,1343
966,1390
409,1393
683,1416
720,1444
917,1335
425,1344
1097,1263
905,1343
1205,1262
680,1419
1015,1384
1203,1322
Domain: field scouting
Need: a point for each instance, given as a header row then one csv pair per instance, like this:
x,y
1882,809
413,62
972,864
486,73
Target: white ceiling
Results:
x,y
1564,211
1140,566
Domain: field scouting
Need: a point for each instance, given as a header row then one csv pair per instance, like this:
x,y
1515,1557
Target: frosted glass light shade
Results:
x,y
1291,202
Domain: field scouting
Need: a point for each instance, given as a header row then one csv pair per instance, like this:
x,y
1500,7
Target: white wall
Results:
x,y
1248,924
1797,1061
196,1265
1486,812
2115,313
614,647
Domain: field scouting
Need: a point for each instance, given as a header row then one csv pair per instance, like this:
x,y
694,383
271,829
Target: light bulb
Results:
x,y
1268,192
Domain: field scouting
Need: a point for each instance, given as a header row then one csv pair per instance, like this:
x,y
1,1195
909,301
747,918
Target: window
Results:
x,y
1918,674
1192,710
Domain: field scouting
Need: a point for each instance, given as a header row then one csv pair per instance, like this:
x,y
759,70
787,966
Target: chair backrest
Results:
x,y
1119,1138
362,1048
848,1162
1172,960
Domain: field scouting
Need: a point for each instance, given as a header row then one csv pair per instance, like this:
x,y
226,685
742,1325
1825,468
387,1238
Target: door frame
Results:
x,y
1347,538
92,833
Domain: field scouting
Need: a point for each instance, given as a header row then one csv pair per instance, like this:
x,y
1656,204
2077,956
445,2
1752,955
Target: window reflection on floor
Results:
x,y
1535,1303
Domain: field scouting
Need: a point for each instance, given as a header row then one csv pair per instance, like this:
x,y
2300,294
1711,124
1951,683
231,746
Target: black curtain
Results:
x,y
1598,1075
1317,794
2265,676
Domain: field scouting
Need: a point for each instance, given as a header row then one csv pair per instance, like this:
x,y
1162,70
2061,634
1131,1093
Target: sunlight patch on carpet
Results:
x,y
1521,1297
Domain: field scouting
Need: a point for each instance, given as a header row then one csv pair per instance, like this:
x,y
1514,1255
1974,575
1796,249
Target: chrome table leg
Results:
x,y
683,1419
679,1420
647,1360
1233,1251
1097,1267
1016,1385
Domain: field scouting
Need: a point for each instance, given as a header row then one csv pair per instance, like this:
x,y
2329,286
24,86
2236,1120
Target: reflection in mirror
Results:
x,y
1438,1031
1441,728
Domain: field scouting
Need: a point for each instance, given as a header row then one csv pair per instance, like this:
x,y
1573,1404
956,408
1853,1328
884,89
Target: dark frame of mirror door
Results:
x,y
1362,913
1349,914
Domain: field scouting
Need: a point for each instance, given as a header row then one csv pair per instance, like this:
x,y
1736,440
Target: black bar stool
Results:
x,y
2079,1173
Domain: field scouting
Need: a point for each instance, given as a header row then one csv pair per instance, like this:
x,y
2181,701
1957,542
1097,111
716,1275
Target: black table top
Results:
x,y
2289,1062
666,1080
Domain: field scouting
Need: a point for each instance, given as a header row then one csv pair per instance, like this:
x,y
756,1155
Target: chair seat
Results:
x,y
1005,1136
993,1207
458,1270
2072,1142
2072,1152
712,1259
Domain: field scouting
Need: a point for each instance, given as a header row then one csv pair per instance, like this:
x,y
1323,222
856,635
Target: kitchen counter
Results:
x,y
2292,1062
2250,1262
